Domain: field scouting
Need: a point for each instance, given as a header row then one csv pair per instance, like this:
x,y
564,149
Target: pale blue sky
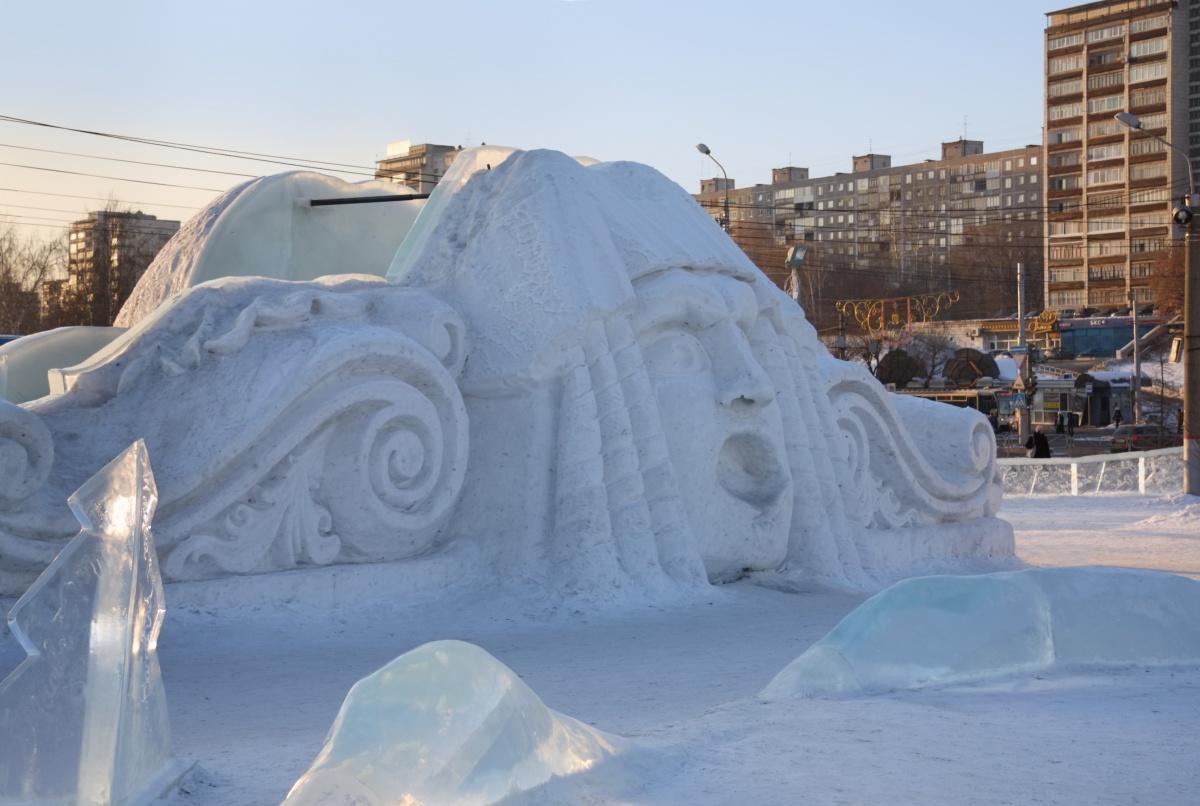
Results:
x,y
760,81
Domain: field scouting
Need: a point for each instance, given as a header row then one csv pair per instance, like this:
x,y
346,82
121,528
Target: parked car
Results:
x,y
1143,438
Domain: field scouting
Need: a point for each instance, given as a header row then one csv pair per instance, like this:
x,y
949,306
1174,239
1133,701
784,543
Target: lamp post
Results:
x,y
706,151
1183,215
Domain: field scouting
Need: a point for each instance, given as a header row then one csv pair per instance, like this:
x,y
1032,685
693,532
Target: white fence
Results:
x,y
1141,472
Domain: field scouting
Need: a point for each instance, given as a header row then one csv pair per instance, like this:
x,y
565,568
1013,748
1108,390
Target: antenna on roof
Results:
x,y
964,127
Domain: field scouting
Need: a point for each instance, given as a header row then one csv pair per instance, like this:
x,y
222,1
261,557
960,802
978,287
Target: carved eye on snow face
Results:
x,y
675,352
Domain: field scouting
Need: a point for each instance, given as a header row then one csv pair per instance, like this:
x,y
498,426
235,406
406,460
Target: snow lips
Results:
x,y
445,723
942,630
84,716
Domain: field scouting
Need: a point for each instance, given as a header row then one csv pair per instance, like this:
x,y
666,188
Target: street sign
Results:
x,y
1019,384
1019,401
1087,390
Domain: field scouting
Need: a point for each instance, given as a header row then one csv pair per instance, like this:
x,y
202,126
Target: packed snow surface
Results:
x,y
954,629
254,684
445,723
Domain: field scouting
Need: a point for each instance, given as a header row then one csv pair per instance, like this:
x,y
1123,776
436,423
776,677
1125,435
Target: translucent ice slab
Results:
x,y
953,629
448,724
83,719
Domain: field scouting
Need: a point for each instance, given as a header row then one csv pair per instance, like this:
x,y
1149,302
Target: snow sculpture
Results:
x,y
84,715
445,723
27,364
292,424
265,227
675,413
646,407
947,629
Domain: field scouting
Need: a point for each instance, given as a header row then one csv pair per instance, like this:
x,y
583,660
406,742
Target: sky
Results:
x,y
764,83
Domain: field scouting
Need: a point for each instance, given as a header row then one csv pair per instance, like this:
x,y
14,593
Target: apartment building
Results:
x,y
418,166
1110,190
933,225
108,253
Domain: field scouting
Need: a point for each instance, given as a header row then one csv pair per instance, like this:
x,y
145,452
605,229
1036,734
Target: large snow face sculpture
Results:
x,y
644,407
644,403
723,427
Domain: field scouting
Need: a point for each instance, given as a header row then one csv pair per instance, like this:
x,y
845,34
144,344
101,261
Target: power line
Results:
x,y
229,153
131,162
112,178
97,198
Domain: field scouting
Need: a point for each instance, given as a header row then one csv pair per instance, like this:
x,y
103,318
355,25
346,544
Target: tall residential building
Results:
x,y
418,166
108,252
1110,190
959,223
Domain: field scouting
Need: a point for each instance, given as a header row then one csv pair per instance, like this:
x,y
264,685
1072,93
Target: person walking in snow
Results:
x,y
1038,446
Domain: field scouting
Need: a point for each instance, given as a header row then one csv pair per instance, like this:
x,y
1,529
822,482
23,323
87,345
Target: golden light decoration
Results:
x,y
878,316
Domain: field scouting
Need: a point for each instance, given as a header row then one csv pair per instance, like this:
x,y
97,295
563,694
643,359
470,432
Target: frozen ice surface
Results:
x,y
952,629
444,724
25,363
84,716
266,228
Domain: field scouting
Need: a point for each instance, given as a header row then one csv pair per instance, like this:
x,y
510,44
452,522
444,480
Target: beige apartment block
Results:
x,y
881,228
419,166
1110,190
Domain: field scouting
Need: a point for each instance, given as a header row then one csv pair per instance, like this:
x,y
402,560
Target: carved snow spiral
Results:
x,y
26,454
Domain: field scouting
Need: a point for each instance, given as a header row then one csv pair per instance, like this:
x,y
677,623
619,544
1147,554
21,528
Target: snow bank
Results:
x,y
266,228
955,629
449,724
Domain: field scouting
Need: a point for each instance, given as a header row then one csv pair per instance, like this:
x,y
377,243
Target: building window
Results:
x,y
1148,47
1106,152
1147,72
1105,176
1066,299
1148,24
1065,64
1108,32
1105,225
1107,103
1149,97
1064,111
1105,80
1152,170
1066,41
1067,135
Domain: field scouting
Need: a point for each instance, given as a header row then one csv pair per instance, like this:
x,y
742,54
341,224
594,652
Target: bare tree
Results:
x,y
931,351
983,269
27,266
1167,280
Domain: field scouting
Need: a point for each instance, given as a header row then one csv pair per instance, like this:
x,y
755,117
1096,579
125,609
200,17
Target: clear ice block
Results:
x,y
83,718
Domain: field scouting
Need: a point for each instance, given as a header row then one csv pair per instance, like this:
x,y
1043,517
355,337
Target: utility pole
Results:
x,y
1185,215
1023,413
1135,388
1191,359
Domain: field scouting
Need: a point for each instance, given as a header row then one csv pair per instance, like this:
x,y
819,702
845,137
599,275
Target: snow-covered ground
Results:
x,y
253,690
1160,534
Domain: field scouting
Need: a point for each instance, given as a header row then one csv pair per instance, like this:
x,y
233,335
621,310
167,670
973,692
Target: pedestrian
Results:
x,y
1037,446
994,420
1072,418
1059,424
1116,418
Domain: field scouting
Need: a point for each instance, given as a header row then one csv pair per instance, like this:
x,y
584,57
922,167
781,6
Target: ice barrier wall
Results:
x,y
943,630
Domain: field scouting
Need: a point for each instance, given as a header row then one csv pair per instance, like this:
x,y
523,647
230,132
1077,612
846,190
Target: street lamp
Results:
x,y
1183,215
706,151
